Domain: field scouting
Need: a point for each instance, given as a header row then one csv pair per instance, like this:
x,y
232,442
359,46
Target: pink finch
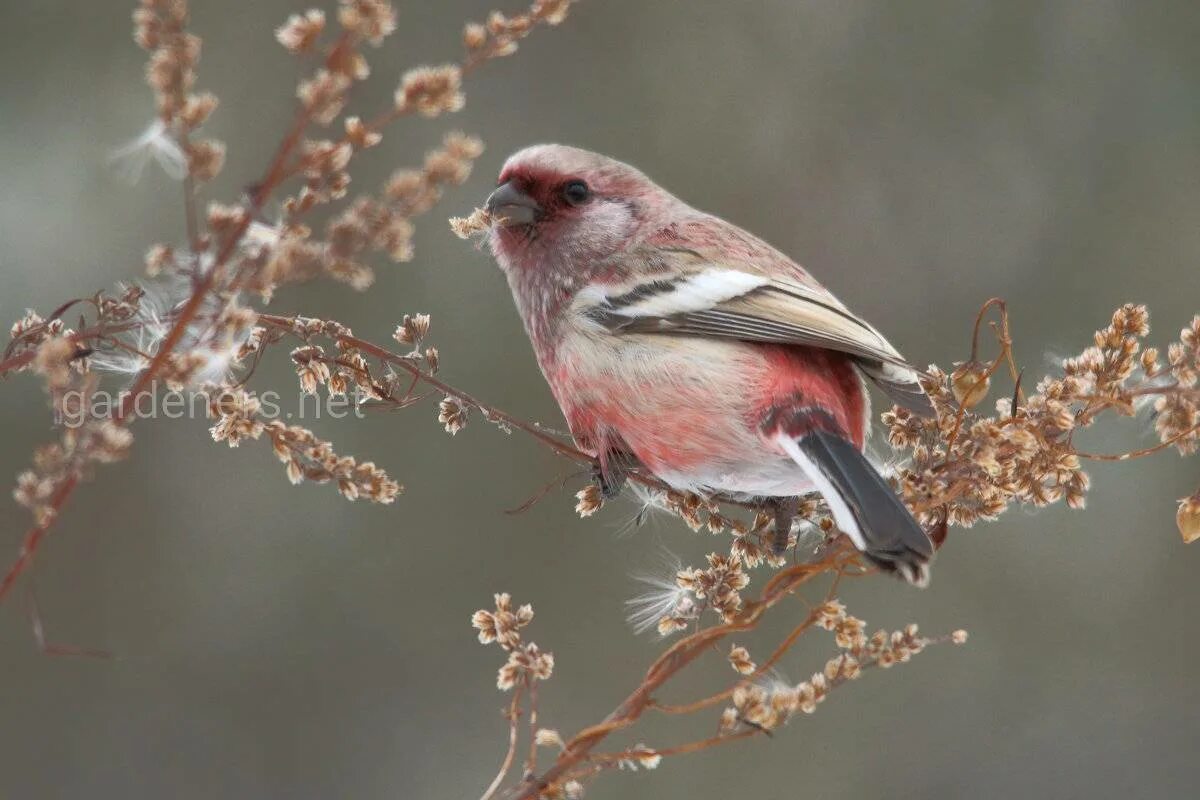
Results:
x,y
682,345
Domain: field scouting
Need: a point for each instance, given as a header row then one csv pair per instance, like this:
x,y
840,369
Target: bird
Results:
x,y
681,345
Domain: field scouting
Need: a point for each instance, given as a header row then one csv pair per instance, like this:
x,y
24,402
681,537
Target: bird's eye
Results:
x,y
576,193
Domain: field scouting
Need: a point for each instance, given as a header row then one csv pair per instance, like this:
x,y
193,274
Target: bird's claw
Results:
x,y
610,484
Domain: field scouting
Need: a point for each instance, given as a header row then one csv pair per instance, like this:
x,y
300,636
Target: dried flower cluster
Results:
x,y
289,253
300,32
499,36
717,586
757,702
100,443
323,95
431,91
526,665
160,28
305,457
765,707
965,467
1115,374
412,330
739,659
526,662
190,326
452,414
960,467
476,224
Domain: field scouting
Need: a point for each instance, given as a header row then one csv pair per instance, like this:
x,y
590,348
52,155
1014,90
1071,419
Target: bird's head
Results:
x,y
566,206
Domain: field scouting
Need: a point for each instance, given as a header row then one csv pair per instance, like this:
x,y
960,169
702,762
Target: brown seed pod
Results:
x,y
1188,518
970,383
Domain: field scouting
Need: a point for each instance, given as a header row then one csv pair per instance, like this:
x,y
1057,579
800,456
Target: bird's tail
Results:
x,y
863,504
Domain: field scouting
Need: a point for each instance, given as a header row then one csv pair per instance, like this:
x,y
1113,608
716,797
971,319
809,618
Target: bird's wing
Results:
x,y
749,304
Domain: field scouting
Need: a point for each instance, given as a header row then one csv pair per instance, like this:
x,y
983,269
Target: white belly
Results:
x,y
773,476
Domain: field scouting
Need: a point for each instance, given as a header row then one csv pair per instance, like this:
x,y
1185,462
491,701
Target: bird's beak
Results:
x,y
510,206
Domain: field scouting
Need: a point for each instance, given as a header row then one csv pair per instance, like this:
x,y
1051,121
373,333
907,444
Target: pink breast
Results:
x,y
681,424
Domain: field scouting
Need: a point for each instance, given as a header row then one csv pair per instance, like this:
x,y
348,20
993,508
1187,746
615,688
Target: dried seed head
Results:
x,y
26,323
205,158
452,413
551,12
412,329
359,135
739,659
645,757
1188,518
474,36
431,91
324,95
830,614
590,500
970,383
300,32
310,367
237,417
158,258
479,222
526,661
547,737
372,20
197,109
53,361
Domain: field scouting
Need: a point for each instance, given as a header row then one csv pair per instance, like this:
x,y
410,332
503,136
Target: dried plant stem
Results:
x,y
1004,356
1139,453
389,115
20,360
146,378
694,706
491,413
676,658
762,669
514,718
65,489
149,25
276,173
52,648
34,536
191,225
679,749
531,760
608,759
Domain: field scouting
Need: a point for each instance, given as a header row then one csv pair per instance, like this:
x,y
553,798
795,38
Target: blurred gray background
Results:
x,y
272,641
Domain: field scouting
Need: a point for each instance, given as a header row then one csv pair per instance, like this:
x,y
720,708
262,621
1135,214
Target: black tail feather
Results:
x,y
886,532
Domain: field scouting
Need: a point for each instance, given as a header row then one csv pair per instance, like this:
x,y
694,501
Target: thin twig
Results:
x,y
491,413
762,669
1138,453
33,536
531,760
676,658
514,717
679,749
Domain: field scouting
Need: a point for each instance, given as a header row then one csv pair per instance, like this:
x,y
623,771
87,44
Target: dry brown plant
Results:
x,y
194,325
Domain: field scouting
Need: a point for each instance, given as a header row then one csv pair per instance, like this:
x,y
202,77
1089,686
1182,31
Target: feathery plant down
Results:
x,y
194,324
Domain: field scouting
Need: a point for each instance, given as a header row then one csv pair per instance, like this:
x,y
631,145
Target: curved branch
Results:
x,y
682,653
